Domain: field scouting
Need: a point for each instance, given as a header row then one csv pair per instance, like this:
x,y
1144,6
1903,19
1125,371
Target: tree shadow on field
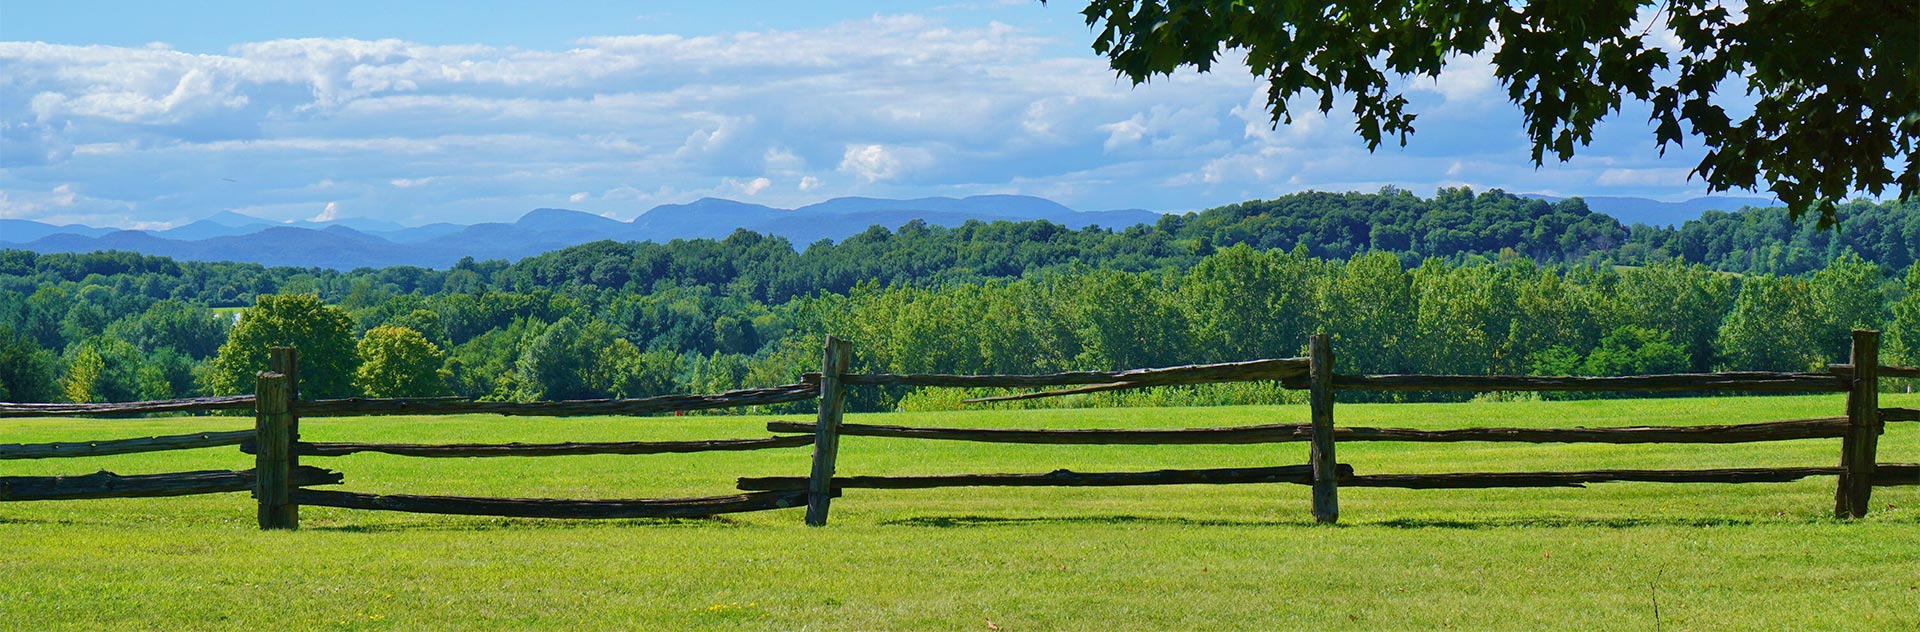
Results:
x,y
480,524
1499,522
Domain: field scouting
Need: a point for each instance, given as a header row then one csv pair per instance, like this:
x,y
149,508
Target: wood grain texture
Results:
x,y
462,450
1750,381
1902,372
352,407
837,358
1326,483
1896,474
104,484
1824,428
1899,414
272,459
192,404
65,449
1479,480
1853,497
1272,369
554,508
1296,474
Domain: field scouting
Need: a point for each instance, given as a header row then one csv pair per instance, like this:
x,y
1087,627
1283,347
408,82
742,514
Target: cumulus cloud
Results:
x,y
897,105
328,214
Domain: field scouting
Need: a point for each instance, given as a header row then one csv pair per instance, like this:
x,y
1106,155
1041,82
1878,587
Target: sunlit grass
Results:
x,y
1761,556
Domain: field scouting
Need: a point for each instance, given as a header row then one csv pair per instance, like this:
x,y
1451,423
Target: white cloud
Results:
x,y
328,214
747,188
877,163
808,184
407,183
579,197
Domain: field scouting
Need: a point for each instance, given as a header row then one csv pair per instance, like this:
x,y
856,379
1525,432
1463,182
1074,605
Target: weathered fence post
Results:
x,y
286,361
273,444
1858,449
826,433
1326,485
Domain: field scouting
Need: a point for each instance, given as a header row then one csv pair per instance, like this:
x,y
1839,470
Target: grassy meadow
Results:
x,y
1617,556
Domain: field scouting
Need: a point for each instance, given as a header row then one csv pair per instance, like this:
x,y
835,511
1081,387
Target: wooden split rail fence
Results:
x,y
281,484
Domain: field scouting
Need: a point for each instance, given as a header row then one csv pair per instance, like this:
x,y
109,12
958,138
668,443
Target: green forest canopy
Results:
x,y
1458,283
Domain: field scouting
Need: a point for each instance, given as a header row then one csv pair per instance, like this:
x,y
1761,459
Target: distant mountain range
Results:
x,y
1633,210
357,242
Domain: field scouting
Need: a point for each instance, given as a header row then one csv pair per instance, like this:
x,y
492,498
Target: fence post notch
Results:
x,y
273,441
1326,485
826,433
1859,449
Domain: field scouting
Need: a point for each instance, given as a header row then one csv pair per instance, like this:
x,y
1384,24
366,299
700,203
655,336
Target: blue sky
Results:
x,y
154,114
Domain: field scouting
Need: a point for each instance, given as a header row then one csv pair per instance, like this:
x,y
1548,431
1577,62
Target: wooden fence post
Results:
x,y
826,433
272,446
286,361
1859,449
1326,485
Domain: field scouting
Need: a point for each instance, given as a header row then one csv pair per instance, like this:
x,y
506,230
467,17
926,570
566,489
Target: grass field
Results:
x,y
1247,557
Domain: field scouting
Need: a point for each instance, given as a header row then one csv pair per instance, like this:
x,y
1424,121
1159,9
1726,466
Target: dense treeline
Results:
x,y
1251,280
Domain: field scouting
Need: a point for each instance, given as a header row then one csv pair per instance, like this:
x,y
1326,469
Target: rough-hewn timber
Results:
x,y
1479,480
1742,381
1895,474
1297,474
105,484
572,408
1274,369
1899,414
1907,372
123,446
454,450
555,508
195,404
1326,476
1859,450
1825,428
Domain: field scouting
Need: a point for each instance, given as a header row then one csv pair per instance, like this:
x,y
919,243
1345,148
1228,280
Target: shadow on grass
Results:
x,y
1395,523
481,523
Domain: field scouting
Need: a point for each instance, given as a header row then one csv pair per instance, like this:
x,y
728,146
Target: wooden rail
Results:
x,y
555,508
1900,414
1896,474
1296,474
1740,381
573,408
449,450
1905,372
1824,428
105,484
1275,369
123,446
1482,480
194,404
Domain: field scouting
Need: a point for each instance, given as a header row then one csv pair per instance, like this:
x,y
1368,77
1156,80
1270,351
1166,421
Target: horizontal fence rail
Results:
x,y
1297,474
1896,474
123,446
1905,372
554,508
1823,428
1481,480
1900,414
1275,369
194,404
574,408
1752,381
110,485
454,450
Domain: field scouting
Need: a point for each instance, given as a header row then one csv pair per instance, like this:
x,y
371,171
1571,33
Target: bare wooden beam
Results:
x,y
123,446
1858,451
1272,369
1479,480
451,450
105,484
1906,372
1825,428
1899,414
1295,474
1326,484
272,461
1743,381
195,404
573,408
554,508
1895,474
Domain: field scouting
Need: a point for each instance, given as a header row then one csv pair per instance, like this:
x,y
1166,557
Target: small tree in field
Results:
x,y
399,362
323,335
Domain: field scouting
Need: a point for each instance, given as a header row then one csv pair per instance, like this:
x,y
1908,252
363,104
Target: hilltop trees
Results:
x,y
323,334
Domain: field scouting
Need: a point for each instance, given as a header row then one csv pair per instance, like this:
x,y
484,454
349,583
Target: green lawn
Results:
x,y
1732,557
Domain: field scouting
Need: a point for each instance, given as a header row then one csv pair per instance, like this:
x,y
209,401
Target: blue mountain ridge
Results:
x,y
359,242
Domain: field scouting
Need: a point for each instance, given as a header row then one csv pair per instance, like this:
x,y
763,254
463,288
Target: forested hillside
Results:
x,y
1460,283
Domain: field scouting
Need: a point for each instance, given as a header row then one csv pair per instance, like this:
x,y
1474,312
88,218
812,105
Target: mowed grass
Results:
x,y
1618,556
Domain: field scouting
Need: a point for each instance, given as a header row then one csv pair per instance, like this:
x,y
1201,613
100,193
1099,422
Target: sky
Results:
x,y
151,115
